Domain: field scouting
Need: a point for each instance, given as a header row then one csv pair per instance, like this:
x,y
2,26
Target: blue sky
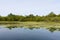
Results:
x,y
26,7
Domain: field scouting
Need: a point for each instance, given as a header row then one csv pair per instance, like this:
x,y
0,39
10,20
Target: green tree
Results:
x,y
51,14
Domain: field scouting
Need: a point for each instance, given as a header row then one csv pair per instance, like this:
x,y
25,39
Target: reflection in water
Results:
x,y
29,33
10,27
30,27
24,34
51,29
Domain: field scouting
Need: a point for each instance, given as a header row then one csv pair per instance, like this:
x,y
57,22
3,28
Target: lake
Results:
x,y
21,33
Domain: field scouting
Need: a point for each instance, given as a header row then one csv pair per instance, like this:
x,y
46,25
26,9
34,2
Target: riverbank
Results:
x,y
30,24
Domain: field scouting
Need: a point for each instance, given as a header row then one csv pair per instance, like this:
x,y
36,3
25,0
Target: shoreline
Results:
x,y
30,24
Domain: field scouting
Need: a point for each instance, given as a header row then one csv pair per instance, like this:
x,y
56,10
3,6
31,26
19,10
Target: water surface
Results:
x,y
22,33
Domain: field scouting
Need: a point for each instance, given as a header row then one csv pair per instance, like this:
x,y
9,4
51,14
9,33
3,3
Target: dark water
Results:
x,y
29,34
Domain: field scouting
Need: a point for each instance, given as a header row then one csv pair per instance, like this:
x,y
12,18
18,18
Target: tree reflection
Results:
x,y
10,27
51,29
30,27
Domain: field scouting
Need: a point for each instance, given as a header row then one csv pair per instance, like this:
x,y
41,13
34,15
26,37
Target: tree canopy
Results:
x,y
50,17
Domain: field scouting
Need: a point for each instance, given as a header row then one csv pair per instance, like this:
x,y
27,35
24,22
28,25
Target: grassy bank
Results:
x,y
9,22
30,24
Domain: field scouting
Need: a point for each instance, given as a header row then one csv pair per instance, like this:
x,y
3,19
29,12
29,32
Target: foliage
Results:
x,y
51,17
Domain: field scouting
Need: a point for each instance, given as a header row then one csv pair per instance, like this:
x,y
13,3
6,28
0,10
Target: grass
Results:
x,y
9,22
30,24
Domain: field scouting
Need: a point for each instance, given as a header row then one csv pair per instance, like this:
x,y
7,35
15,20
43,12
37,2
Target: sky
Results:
x,y
26,7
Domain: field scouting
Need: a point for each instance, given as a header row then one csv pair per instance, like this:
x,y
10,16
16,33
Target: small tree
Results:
x,y
51,14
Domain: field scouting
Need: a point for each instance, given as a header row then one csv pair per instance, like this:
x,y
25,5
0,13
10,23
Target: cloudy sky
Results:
x,y
26,7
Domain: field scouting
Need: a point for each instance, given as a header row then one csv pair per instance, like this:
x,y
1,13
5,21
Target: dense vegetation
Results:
x,y
50,17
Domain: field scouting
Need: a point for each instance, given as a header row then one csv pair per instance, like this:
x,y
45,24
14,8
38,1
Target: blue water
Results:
x,y
28,34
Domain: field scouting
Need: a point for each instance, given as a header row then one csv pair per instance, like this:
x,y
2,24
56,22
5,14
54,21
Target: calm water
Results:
x,y
29,33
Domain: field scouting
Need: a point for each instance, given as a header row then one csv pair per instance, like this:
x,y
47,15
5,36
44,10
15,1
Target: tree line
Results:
x,y
50,17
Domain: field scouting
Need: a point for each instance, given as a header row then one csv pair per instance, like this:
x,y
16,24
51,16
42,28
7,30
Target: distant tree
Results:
x,y
51,17
51,14
10,14
29,17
